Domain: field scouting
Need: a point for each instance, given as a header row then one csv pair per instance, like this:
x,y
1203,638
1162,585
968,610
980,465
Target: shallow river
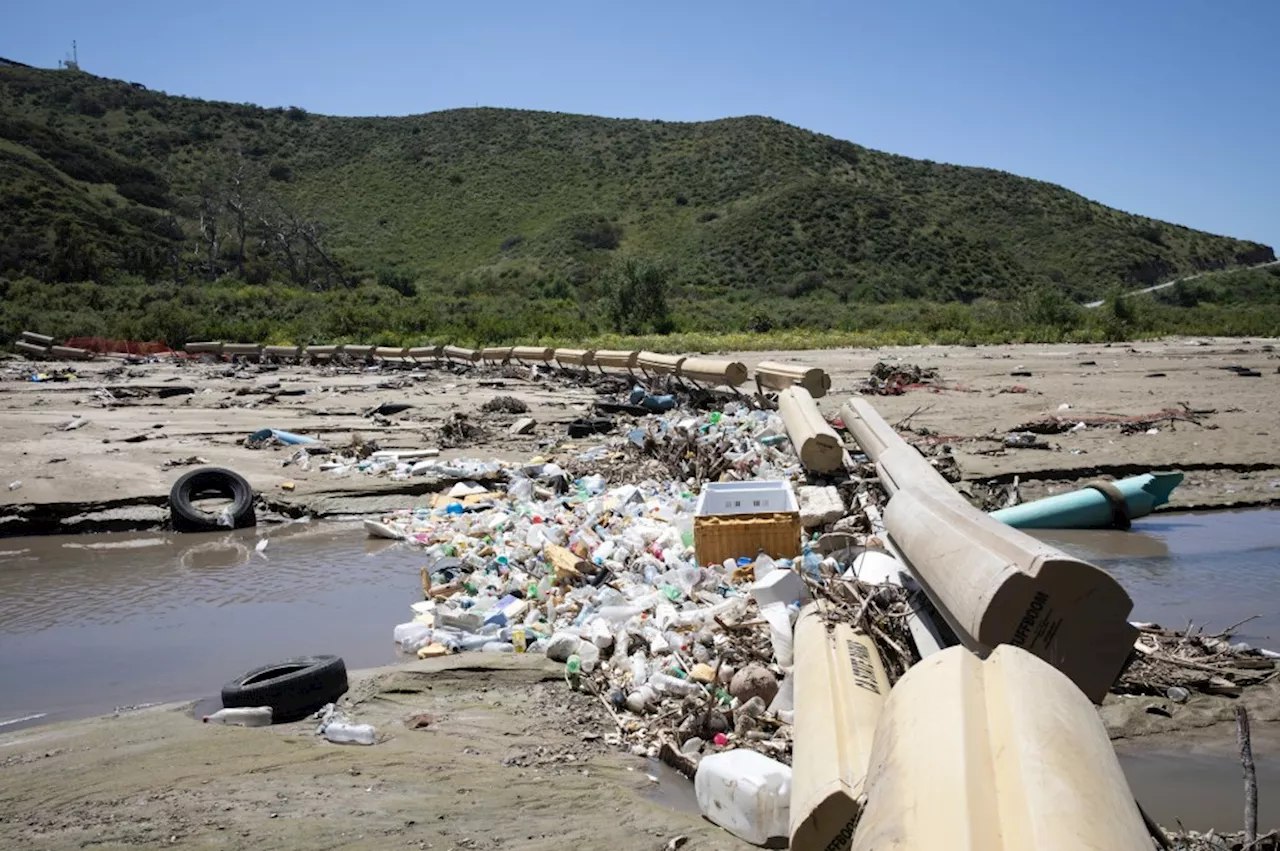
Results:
x,y
91,623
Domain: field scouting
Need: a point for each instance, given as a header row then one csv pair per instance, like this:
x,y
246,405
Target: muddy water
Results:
x,y
90,623
1216,569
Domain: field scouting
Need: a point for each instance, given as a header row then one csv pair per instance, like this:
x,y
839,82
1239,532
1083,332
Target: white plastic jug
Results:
x,y
746,793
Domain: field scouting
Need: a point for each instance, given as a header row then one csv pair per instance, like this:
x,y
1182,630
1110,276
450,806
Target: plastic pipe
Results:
x,y
1091,507
780,376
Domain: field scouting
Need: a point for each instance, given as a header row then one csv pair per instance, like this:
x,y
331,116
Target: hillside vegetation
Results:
x,y
174,216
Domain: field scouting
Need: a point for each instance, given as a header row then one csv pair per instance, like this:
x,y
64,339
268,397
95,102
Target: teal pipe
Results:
x,y
1089,508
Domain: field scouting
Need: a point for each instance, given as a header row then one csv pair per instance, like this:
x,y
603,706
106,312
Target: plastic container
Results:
x,y
410,636
746,793
675,685
249,716
343,733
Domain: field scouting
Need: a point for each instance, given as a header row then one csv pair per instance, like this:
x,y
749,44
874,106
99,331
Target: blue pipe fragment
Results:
x,y
1091,508
286,437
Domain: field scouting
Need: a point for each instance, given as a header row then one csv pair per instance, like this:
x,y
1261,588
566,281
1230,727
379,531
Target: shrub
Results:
x,y
637,297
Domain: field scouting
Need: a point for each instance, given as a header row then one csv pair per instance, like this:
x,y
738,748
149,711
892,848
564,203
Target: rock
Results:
x,y
1177,694
562,646
726,674
702,673
524,425
819,505
754,681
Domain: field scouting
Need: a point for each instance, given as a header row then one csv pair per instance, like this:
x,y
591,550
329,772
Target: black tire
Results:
x,y
210,480
293,688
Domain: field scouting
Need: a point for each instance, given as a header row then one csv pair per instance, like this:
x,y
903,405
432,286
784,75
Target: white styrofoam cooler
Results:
x,y
720,498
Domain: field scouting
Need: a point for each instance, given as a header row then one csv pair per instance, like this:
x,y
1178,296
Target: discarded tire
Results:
x,y
587,427
292,688
209,481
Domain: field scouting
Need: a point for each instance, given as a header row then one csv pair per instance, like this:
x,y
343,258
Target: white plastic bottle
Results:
x,y
248,716
675,685
340,732
746,793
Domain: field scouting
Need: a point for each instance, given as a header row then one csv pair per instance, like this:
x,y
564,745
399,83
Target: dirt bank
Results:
x,y
114,472
509,758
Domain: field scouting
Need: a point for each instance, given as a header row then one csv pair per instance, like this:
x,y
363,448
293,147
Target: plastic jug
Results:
x,y
340,732
249,716
746,793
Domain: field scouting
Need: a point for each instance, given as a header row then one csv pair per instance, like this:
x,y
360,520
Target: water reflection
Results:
x,y
1211,568
124,619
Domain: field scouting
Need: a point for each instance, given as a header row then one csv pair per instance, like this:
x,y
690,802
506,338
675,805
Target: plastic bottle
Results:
x,y
497,647
639,669
812,563
249,716
340,732
410,636
519,640
640,700
675,685
746,793
764,566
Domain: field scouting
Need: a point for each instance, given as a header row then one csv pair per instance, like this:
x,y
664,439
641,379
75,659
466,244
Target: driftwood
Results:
x,y
1194,661
1127,423
1250,777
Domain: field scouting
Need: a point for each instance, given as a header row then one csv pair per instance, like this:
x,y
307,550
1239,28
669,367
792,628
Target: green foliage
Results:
x,y
637,297
231,221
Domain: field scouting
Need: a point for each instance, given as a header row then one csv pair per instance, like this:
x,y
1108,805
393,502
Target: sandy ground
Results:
x,y
510,758
111,474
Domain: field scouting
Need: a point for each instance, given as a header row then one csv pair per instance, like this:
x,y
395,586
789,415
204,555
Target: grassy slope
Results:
x,y
739,208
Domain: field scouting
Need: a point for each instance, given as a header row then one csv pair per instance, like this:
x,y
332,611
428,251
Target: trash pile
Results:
x,y
888,379
601,576
1133,424
1175,664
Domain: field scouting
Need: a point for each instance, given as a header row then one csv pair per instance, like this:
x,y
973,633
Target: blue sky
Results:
x,y
1169,108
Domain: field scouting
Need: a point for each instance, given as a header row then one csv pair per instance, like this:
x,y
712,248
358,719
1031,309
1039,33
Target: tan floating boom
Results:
x,y
660,364
70,353
31,348
840,690
244,350
1001,755
714,371
994,584
208,347
495,354
615,359
816,443
423,353
459,353
38,339
532,354
282,352
388,352
576,357
321,352
364,352
780,376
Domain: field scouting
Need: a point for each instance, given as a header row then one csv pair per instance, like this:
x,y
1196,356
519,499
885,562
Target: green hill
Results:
x,y
467,211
